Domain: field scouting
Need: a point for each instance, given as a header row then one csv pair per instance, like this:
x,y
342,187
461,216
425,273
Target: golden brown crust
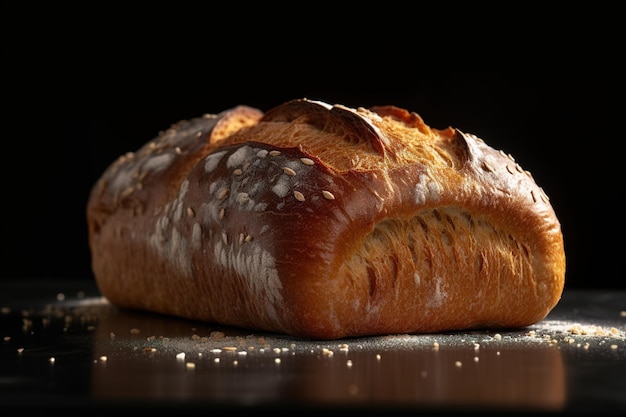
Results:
x,y
323,221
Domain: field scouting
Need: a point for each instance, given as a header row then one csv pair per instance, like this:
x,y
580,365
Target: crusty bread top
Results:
x,y
348,215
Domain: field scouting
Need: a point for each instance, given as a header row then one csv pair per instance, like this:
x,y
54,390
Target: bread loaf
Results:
x,y
322,221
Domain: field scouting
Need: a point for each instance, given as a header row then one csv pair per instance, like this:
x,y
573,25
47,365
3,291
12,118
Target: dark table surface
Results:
x,y
64,347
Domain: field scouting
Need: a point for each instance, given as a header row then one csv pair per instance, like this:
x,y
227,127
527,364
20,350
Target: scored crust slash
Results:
x,y
322,221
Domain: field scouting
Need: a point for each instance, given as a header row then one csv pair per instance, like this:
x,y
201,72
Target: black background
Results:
x,y
81,89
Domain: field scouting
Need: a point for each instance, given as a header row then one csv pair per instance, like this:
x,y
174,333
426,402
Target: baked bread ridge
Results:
x,y
322,221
